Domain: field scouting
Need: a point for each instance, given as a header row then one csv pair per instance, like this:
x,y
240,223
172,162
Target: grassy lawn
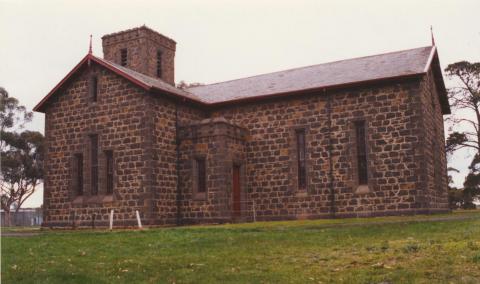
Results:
x,y
421,249
20,229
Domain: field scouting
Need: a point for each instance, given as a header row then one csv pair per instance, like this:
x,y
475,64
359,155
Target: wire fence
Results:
x,y
24,218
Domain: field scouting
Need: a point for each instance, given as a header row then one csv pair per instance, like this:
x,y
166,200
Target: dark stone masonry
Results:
x,y
353,138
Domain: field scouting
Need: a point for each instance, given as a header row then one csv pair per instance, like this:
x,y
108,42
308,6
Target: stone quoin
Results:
x,y
351,138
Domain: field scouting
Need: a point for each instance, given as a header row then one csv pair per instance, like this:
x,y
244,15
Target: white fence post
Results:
x,y
138,220
111,219
254,212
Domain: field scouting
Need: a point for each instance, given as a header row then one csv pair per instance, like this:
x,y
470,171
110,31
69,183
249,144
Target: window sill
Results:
x,y
93,199
362,189
301,193
200,196
78,200
92,105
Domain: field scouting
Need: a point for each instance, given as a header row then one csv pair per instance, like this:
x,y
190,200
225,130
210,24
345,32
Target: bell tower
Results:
x,y
143,50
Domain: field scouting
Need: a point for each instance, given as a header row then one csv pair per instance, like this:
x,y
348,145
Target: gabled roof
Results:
x,y
150,82
143,81
389,66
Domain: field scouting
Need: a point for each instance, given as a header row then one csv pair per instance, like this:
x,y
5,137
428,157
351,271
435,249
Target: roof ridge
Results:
x,y
309,66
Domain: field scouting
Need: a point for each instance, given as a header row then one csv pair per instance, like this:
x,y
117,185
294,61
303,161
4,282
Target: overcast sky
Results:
x,y
41,41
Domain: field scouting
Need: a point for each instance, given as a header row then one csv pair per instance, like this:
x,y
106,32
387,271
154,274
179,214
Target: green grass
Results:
x,y
20,229
418,249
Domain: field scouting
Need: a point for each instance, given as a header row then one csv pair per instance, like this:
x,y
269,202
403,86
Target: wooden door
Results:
x,y
237,202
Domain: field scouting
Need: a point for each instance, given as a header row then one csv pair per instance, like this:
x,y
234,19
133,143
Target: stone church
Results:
x,y
351,138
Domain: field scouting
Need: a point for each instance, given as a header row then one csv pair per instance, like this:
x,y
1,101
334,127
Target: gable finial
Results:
x,y
431,33
90,47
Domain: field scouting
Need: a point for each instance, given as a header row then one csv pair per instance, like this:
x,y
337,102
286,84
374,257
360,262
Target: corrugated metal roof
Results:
x,y
394,64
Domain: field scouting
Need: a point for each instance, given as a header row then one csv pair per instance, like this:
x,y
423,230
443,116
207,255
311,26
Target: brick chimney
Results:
x,y
143,50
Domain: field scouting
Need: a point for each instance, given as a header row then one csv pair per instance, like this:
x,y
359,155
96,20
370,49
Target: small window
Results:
x,y
159,64
93,85
123,57
301,168
361,152
94,163
201,175
432,96
109,170
78,172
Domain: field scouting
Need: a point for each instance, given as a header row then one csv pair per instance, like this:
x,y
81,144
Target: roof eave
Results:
x,y
434,63
149,88
85,60
38,107
430,58
123,74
